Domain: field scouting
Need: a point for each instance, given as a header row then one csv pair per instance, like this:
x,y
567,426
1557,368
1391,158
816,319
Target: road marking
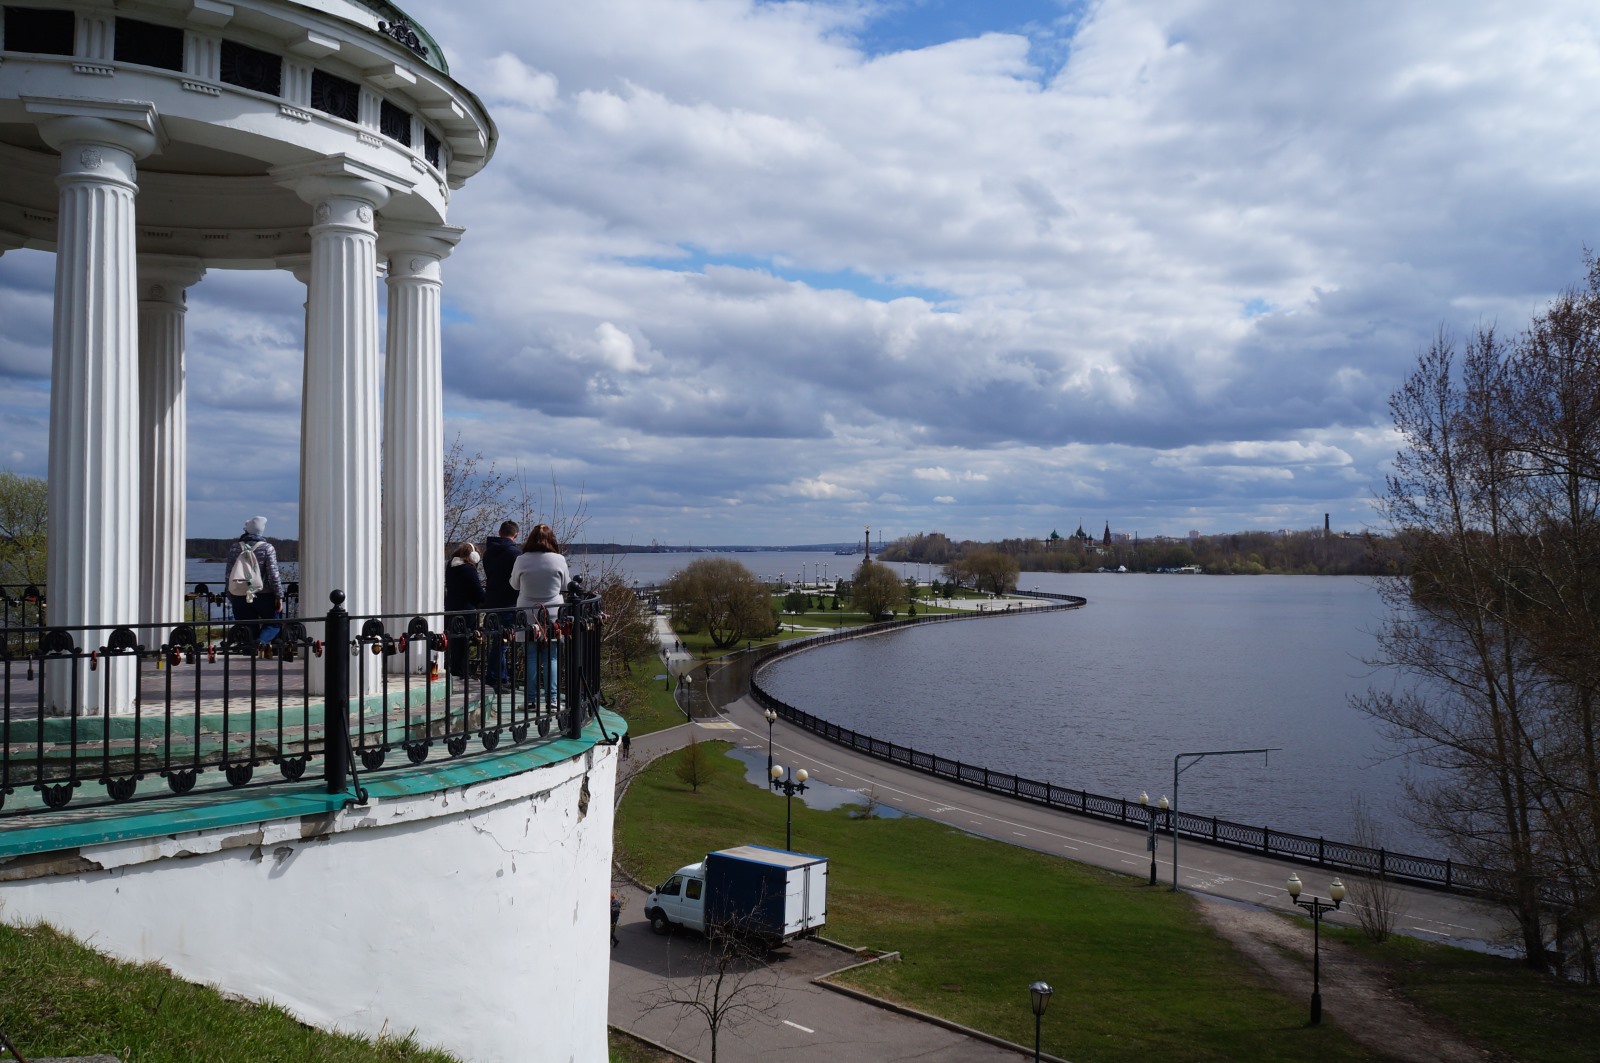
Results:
x,y
1020,833
797,1026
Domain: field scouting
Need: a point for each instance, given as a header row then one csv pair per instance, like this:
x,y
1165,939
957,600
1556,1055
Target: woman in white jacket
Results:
x,y
539,576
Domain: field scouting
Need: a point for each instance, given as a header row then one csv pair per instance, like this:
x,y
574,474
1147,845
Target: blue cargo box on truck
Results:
x,y
770,892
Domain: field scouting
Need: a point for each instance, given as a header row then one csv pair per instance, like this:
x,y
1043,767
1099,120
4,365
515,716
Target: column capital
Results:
x,y
341,177
165,278
131,125
406,244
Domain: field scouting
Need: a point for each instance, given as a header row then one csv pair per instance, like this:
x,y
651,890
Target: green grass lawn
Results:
x,y
63,999
1137,975
1529,1016
647,703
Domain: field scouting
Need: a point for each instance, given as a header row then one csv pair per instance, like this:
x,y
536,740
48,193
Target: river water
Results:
x,y
1102,698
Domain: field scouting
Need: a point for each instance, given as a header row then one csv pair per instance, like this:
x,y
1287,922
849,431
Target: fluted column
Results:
x,y
94,477
340,536
163,436
413,427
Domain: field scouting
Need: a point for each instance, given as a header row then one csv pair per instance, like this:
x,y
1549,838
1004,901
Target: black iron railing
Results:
x,y
1419,870
23,605
223,701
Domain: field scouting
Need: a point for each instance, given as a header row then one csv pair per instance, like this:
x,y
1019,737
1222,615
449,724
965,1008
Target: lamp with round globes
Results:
x,y
1151,843
1317,908
794,784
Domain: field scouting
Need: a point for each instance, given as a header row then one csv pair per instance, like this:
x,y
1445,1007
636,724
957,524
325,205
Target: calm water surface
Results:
x,y
1103,697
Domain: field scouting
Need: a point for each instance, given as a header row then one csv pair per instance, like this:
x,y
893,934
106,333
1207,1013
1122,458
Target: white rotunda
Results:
x,y
147,141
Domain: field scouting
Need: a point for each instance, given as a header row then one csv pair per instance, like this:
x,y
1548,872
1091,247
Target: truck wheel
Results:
x,y
660,923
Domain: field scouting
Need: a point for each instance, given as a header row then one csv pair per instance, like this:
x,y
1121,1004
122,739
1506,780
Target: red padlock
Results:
x,y
94,660
316,647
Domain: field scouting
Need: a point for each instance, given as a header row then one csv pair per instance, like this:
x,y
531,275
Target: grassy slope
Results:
x,y
60,998
1136,974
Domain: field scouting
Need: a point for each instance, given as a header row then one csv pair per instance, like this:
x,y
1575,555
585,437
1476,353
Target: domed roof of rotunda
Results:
x,y
241,97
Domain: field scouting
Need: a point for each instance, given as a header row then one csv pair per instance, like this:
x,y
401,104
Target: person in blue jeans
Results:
x,y
539,576
500,554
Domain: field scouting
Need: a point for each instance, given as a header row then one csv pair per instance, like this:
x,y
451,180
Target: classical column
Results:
x,y
163,437
413,428
341,544
94,477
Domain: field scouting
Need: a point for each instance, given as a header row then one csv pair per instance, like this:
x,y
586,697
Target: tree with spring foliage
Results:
x,y
721,597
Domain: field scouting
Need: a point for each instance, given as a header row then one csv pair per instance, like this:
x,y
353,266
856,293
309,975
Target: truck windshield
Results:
x,y
670,887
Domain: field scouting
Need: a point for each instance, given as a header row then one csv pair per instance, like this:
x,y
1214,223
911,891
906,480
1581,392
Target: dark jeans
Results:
x,y
263,608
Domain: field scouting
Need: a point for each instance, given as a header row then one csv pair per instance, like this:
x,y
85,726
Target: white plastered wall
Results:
x,y
475,917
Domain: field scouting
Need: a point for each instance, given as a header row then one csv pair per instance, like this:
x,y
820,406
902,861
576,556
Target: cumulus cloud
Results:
x,y
1153,264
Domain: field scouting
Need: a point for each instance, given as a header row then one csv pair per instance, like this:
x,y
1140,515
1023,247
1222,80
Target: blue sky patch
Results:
x,y
1258,306
695,260
907,25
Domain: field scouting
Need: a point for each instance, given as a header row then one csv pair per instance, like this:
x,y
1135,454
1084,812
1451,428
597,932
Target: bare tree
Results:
x,y
1495,500
733,984
1373,896
474,495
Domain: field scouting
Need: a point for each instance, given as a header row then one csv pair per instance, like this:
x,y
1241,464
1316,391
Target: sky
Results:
x,y
764,273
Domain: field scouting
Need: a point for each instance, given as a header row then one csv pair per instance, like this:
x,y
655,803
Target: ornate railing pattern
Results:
x,y
1419,870
222,700
204,602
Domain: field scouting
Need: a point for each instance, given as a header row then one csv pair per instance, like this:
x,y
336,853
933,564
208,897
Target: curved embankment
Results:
x,y
1357,859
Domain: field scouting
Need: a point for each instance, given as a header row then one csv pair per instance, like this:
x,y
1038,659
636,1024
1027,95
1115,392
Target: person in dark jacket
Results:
x,y
463,589
500,552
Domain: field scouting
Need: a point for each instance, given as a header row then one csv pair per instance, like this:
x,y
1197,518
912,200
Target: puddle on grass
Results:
x,y
819,795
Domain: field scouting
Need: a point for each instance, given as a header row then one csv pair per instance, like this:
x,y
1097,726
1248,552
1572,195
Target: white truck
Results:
x,y
771,894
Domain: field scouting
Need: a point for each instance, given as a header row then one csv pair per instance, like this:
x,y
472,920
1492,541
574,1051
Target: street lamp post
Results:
x,y
795,784
1317,908
772,718
1039,996
1153,810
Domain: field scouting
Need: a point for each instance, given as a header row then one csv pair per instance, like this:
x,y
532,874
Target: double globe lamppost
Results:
x,y
794,784
1317,908
1154,811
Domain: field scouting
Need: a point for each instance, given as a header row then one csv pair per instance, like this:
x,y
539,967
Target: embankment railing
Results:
x,y
1429,871
114,708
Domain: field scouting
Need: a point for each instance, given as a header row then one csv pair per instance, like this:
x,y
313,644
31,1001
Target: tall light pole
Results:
x,y
1195,758
1039,997
1316,907
1162,806
772,718
795,784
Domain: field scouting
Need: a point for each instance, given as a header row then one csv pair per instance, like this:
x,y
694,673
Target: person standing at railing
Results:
x,y
539,576
463,589
266,603
500,553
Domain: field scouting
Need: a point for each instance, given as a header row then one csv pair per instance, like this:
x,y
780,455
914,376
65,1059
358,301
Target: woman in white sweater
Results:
x,y
539,576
